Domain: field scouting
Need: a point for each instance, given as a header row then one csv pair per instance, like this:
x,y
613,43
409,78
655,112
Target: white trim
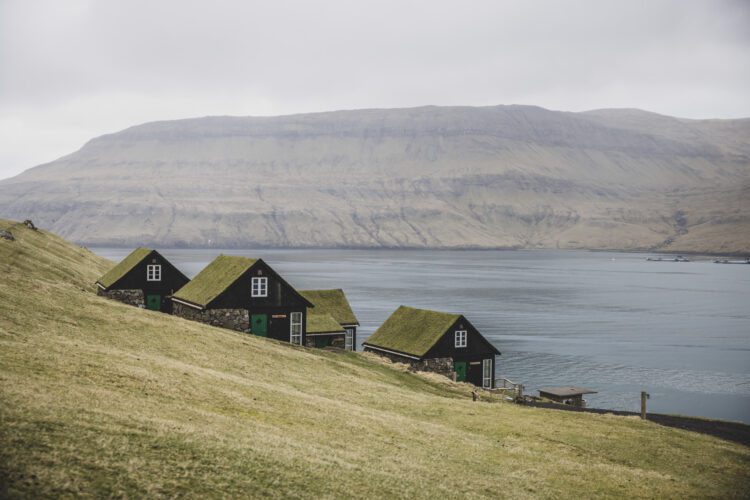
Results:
x,y
188,304
292,324
390,352
349,339
460,339
153,272
101,286
491,377
262,282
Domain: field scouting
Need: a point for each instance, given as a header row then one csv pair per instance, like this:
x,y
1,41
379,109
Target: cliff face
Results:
x,y
505,176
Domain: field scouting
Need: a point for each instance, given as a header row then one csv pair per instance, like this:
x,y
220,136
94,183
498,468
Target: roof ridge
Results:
x,y
429,310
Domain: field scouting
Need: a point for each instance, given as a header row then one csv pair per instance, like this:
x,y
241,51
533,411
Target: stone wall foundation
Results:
x,y
234,319
443,366
131,297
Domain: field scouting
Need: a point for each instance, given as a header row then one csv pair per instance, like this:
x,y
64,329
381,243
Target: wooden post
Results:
x,y
644,397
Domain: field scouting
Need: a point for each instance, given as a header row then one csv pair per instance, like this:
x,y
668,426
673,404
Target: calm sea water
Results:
x,y
609,321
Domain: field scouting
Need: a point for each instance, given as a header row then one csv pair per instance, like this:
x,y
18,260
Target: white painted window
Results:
x,y
460,338
153,272
295,328
349,339
487,373
259,287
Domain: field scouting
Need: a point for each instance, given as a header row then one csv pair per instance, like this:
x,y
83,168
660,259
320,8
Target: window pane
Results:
x,y
295,328
259,287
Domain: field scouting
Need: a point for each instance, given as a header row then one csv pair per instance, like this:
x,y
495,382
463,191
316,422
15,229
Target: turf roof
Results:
x,y
412,331
124,266
331,302
214,279
322,323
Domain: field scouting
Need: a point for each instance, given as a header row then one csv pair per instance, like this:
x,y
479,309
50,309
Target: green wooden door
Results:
x,y
460,368
322,341
153,302
259,325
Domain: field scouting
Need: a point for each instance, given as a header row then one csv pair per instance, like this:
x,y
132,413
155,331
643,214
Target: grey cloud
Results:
x,y
81,68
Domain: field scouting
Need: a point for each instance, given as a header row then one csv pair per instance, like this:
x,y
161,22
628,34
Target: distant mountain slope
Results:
x,y
503,176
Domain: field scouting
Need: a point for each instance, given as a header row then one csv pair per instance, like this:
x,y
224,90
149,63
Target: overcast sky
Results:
x,y
75,69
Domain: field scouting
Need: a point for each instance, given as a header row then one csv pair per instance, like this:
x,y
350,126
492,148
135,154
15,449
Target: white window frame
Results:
x,y
487,373
295,322
153,272
349,339
460,338
259,286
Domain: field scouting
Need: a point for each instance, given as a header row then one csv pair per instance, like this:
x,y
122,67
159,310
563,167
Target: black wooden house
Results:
x,y
436,341
332,323
145,279
246,295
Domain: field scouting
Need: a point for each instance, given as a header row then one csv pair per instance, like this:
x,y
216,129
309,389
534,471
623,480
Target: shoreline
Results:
x,y
692,253
737,432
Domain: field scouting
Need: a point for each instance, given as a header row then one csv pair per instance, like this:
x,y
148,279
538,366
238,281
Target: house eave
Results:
x,y
410,356
189,304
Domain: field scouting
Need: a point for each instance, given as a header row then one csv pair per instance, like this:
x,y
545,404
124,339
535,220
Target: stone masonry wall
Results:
x,y
443,366
336,341
132,297
234,319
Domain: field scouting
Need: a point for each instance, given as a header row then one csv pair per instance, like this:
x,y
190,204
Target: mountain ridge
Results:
x,y
447,177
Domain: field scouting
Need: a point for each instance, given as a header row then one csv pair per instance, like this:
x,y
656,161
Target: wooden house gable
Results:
x,y
165,277
276,292
476,345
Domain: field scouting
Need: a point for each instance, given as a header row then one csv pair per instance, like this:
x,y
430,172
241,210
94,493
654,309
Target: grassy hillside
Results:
x,y
102,399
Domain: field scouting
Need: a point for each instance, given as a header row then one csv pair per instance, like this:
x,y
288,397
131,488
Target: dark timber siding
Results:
x,y
477,348
171,280
282,300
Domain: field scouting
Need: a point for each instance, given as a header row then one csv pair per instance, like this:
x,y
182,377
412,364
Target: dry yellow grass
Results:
x,y
102,399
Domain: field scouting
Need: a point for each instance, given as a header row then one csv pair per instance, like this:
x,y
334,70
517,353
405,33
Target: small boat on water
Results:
x,y
679,258
727,261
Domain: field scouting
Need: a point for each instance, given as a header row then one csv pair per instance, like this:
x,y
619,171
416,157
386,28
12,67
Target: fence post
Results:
x,y
644,397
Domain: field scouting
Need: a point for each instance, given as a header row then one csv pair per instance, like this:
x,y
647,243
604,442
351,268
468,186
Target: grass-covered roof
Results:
x,y
412,331
322,323
331,302
214,279
124,266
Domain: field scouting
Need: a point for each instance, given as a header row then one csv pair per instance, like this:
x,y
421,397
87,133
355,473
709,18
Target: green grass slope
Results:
x,y
101,399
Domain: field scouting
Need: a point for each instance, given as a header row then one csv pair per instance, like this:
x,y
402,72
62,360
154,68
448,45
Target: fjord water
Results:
x,y
613,322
